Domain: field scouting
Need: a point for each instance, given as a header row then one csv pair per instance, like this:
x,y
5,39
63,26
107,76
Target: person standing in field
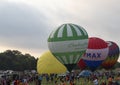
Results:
x,y
39,80
95,81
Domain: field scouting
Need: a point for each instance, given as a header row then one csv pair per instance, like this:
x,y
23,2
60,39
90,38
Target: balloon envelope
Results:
x,y
81,64
112,57
67,43
47,63
96,52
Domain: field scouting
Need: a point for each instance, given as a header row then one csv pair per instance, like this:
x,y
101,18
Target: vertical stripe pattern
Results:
x,y
68,42
69,31
72,32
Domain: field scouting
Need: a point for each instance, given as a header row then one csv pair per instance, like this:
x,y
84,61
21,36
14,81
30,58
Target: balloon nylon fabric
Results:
x,y
96,53
112,57
67,43
47,63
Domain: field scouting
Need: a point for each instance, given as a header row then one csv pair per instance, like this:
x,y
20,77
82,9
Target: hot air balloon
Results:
x,y
47,63
67,43
81,64
96,52
112,57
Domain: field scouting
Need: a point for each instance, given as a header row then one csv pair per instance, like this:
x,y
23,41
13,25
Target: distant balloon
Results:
x,y
112,57
47,63
67,43
81,64
97,52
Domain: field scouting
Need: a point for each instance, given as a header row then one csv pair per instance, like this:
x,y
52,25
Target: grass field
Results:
x,y
81,81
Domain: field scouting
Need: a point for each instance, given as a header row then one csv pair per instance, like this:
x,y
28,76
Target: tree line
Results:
x,y
15,60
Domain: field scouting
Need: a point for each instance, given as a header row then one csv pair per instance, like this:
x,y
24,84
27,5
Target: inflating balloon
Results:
x,y
47,63
67,43
81,64
112,57
96,52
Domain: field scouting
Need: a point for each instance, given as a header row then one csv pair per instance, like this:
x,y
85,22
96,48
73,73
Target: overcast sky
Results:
x,y
26,24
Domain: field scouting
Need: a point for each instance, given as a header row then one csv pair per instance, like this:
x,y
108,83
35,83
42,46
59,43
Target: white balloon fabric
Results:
x,y
96,52
67,43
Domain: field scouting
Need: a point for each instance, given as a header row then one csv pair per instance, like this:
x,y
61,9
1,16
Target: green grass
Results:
x,y
81,81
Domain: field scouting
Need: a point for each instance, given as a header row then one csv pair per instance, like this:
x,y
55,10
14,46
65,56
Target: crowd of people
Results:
x,y
105,78
73,78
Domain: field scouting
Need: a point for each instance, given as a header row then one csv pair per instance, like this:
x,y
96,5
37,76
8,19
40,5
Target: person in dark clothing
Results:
x,y
39,80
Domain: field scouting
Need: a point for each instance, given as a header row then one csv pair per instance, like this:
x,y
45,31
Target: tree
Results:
x,y
15,60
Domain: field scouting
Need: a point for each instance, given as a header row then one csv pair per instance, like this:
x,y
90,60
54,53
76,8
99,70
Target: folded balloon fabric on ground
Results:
x,y
47,63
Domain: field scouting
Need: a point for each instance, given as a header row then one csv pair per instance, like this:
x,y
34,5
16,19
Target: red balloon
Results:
x,y
81,64
96,53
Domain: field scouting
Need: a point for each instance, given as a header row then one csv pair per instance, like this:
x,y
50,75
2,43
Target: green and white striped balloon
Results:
x,y
67,43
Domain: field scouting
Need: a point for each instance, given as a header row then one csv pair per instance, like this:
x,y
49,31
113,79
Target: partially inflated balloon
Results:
x,y
47,63
67,43
81,64
112,57
96,52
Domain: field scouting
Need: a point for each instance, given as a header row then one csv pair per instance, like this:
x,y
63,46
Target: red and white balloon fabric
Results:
x,y
96,52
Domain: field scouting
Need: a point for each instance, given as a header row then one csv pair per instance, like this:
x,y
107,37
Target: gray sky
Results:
x,y
26,24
